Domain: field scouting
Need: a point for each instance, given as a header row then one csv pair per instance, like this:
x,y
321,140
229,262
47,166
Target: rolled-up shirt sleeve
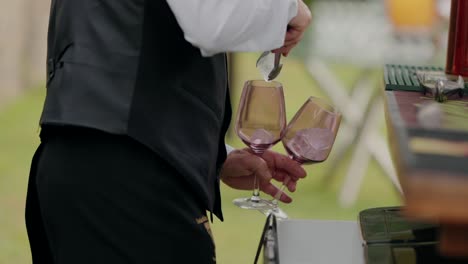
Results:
x,y
216,26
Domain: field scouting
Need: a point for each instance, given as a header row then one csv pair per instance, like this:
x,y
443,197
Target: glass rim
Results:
x,y
320,102
263,83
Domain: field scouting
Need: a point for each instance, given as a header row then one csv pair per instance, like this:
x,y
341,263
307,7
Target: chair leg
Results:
x,y
341,148
361,157
354,175
377,146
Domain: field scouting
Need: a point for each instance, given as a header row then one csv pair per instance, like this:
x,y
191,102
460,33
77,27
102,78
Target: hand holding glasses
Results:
x,y
261,122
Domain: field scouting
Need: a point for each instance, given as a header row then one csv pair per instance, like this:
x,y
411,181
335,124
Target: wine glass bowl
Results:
x,y
261,118
260,124
311,133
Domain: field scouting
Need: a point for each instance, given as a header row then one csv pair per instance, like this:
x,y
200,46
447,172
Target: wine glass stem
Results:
x,y
285,183
280,191
256,190
256,187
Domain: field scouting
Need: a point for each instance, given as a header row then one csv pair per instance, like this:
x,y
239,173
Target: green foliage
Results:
x,y
18,140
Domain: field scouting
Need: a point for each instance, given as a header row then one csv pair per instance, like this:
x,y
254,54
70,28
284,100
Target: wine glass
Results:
x,y
260,123
308,139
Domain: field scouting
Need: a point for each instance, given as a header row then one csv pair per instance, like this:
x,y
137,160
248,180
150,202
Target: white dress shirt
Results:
x,y
216,26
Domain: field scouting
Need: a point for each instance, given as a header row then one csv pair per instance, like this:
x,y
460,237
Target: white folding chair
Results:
x,y
354,33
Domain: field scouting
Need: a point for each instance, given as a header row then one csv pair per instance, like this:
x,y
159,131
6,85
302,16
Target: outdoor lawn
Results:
x,y
237,237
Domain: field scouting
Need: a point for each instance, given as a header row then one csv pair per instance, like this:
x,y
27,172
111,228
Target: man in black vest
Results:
x,y
133,126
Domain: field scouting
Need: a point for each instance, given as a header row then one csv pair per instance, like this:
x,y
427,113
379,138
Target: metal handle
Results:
x,y
277,59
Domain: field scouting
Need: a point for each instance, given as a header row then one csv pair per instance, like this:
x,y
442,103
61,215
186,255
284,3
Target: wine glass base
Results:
x,y
249,203
278,212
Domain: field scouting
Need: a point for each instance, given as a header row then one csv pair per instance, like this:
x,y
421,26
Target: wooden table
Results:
x,y
432,162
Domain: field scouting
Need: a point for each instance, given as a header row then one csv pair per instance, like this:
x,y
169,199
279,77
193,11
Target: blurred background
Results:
x,y
341,59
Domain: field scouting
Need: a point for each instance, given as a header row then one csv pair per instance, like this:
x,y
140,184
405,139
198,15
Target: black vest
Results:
x,y
124,67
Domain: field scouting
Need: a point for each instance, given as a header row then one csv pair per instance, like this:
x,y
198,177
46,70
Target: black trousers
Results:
x,y
100,198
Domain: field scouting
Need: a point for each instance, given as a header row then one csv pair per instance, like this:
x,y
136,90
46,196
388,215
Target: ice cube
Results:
x,y
261,136
320,138
312,143
299,144
316,154
266,64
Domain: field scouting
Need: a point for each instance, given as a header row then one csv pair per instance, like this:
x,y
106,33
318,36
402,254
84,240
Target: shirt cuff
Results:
x,y
229,149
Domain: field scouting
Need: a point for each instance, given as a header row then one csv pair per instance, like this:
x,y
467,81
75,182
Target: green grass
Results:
x,y
18,140
237,237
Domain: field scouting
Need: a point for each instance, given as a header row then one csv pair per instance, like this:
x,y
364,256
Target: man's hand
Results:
x,y
242,166
296,29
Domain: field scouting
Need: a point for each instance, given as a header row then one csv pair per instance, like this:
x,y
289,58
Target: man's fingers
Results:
x,y
283,50
260,169
292,35
280,175
253,164
291,44
292,186
291,167
286,48
273,190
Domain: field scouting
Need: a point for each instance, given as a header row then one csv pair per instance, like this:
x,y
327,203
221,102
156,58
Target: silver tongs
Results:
x,y
269,65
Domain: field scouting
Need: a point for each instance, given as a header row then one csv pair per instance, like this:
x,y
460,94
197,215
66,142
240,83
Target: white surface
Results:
x,y
320,242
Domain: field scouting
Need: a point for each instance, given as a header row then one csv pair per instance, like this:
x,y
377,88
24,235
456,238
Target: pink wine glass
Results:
x,y
260,123
309,138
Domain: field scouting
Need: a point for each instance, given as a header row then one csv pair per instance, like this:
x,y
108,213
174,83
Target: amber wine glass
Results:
x,y
260,124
